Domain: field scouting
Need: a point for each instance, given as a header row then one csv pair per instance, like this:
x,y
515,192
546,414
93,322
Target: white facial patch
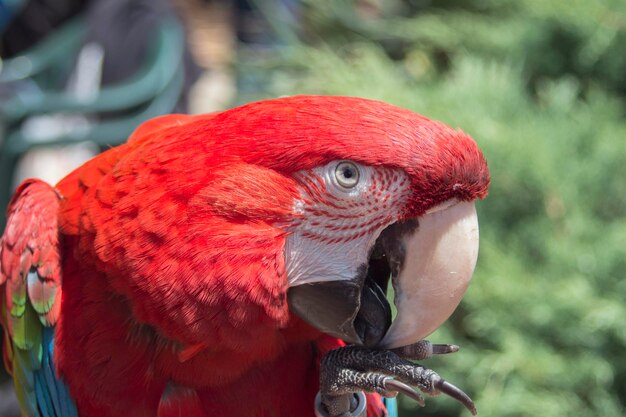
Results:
x,y
339,224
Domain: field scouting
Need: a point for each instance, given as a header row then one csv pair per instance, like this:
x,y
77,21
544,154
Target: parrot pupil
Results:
x,y
347,174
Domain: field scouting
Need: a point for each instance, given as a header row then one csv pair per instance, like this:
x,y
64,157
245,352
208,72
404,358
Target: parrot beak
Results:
x,y
440,259
430,261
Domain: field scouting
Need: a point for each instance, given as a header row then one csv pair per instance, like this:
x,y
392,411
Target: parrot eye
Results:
x,y
347,174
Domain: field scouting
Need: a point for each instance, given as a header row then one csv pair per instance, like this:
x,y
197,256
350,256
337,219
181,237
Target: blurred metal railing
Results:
x,y
110,115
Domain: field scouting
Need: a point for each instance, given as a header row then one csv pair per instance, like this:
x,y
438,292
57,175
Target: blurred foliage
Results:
x,y
541,86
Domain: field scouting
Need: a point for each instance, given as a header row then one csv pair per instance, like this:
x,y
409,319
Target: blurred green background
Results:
x,y
541,86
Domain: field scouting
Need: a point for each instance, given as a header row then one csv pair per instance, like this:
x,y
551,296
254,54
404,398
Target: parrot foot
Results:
x,y
352,369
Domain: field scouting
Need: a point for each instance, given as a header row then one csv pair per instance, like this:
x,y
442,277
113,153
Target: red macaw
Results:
x,y
206,266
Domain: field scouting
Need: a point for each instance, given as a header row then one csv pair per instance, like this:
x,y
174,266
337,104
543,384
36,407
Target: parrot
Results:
x,y
239,263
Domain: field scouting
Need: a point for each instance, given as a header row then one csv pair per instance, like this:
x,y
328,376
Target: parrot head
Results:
x,y
310,205
379,195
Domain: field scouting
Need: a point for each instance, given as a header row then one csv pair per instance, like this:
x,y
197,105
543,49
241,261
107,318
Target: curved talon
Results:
x,y
456,393
444,349
424,350
394,385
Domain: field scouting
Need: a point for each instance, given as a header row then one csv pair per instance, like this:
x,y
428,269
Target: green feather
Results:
x,y
23,378
18,298
41,293
27,331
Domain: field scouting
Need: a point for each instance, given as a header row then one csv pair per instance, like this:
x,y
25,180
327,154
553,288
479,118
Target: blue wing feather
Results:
x,y
44,402
47,370
42,392
58,401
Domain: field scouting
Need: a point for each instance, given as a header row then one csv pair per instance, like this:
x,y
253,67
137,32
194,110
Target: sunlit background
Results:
x,y
540,85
